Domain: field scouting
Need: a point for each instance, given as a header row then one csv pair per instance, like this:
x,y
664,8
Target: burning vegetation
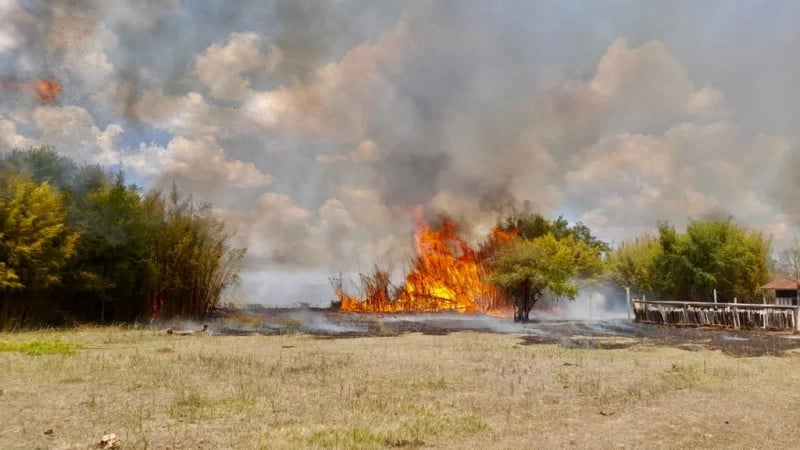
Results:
x,y
447,275
526,258
47,91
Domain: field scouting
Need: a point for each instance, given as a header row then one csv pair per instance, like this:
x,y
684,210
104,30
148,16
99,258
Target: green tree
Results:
x,y
533,225
35,244
527,269
712,254
192,257
113,271
41,164
79,244
632,265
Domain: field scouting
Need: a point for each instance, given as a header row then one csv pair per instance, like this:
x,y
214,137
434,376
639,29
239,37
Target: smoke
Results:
x,y
592,304
316,126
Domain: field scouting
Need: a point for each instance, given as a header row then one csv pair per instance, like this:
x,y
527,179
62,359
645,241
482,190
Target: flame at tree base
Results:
x,y
447,276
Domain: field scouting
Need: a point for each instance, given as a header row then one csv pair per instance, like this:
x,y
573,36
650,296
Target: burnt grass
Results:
x,y
737,343
599,334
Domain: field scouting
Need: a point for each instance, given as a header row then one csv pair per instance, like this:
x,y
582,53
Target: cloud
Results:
x,y
200,163
689,171
13,19
367,152
10,138
340,98
222,68
73,130
633,89
189,115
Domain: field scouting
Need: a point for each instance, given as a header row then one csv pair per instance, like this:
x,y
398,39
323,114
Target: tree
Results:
x,y
112,273
632,265
192,257
527,269
35,244
712,254
77,243
532,226
788,263
41,164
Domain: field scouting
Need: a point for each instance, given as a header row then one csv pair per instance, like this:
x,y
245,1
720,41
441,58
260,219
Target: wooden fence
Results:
x,y
731,315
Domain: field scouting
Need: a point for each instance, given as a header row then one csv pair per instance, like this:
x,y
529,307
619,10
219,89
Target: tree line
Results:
x,y
79,244
550,258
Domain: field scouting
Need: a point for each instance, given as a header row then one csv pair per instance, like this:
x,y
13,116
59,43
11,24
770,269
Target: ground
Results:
x,y
409,389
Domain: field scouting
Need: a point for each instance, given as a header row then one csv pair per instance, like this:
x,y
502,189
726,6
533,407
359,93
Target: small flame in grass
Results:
x,y
447,276
155,302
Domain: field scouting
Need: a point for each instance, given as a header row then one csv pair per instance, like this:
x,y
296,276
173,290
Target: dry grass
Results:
x,y
464,390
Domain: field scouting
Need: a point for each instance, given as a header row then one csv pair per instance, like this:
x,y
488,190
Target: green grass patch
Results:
x,y
37,347
412,433
194,407
351,437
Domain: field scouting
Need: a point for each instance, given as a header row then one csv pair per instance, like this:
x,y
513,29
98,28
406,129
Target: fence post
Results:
x,y
628,298
797,318
645,317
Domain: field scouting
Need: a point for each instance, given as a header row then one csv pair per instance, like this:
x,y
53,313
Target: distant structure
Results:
x,y
781,292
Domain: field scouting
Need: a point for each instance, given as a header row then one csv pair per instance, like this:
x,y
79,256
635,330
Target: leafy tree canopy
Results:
x,y
78,243
527,269
690,265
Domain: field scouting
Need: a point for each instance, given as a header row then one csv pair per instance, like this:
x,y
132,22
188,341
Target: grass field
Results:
x,y
66,389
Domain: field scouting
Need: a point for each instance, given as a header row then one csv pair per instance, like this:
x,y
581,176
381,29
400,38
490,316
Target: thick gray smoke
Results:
x,y
316,126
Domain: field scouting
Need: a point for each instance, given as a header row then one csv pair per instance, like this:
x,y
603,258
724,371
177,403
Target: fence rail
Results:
x,y
731,315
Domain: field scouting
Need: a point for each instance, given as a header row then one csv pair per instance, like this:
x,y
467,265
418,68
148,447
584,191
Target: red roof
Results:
x,y
781,284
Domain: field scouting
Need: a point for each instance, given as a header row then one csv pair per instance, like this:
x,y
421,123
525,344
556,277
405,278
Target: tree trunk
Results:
x,y
522,308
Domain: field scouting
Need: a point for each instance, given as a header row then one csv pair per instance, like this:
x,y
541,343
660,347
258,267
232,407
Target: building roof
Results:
x,y
781,284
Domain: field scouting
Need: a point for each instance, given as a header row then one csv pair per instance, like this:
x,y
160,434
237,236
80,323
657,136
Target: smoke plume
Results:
x,y
315,127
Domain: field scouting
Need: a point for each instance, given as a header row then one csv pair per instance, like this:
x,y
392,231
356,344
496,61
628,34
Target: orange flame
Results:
x,y
47,91
447,276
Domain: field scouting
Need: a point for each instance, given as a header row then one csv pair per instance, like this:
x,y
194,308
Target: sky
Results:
x,y
315,127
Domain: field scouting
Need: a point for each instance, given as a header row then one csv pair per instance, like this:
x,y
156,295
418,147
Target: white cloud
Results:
x,y
199,162
222,68
189,115
341,96
689,171
10,138
633,88
72,130
366,152
12,17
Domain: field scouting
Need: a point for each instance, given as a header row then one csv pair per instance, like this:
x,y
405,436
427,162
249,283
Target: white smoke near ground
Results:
x,y
590,305
463,322
314,127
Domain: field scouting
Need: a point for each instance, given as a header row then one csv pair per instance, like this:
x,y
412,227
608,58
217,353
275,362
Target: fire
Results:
x,y
155,303
47,91
447,276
